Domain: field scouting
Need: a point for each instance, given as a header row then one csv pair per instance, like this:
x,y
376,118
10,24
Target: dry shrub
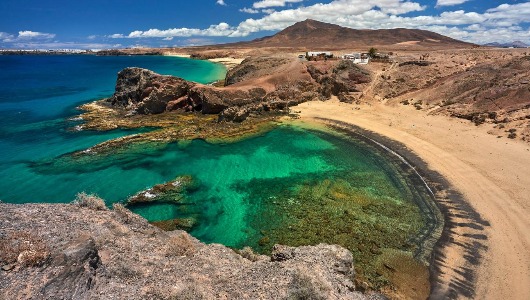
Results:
x,y
91,201
304,287
23,248
180,245
248,253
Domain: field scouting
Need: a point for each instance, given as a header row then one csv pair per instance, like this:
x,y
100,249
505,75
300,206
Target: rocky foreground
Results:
x,y
85,251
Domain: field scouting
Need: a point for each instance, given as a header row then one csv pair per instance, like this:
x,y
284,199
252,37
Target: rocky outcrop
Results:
x,y
114,254
171,192
255,67
146,92
141,91
342,79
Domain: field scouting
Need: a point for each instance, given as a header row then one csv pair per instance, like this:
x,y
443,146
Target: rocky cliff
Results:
x,y
141,91
85,251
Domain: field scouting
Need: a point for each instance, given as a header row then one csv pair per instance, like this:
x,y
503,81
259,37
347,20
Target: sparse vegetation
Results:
x,y
372,52
478,119
23,248
248,253
91,201
180,245
418,104
304,288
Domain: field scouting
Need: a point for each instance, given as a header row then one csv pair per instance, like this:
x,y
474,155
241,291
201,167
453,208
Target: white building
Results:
x,y
357,58
316,54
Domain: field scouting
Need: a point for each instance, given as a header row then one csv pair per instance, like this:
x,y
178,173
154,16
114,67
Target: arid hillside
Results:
x,y
487,87
319,35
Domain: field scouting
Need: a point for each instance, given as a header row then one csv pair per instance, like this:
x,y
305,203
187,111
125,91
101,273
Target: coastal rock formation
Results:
x,y
171,192
255,67
342,79
144,92
115,254
147,92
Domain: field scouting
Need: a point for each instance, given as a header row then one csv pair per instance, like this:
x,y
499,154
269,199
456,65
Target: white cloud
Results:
x,y
249,10
449,2
221,29
34,35
92,37
221,2
6,37
273,3
331,12
117,36
502,22
25,36
268,11
169,38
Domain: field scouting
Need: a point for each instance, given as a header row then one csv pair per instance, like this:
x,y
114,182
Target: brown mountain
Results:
x,y
314,34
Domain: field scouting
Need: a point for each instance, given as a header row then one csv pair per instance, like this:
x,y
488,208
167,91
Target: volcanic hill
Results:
x,y
315,34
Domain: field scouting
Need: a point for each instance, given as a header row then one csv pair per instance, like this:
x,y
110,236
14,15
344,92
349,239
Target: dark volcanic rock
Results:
x,y
147,92
110,254
171,192
79,261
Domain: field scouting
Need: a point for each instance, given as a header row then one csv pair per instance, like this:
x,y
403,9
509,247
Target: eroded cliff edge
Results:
x,y
75,251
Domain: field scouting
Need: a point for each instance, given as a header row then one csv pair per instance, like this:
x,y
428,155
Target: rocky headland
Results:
x,y
255,94
85,251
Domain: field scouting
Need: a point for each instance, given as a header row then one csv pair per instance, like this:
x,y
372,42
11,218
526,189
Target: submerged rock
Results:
x,y
171,192
174,224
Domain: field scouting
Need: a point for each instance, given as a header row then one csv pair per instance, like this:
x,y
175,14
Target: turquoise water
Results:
x,y
235,183
37,96
290,185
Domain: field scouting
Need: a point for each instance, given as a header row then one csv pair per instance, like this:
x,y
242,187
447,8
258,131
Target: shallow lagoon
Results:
x,y
292,185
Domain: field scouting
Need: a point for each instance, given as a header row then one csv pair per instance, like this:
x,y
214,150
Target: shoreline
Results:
x,y
228,62
469,255
440,233
409,165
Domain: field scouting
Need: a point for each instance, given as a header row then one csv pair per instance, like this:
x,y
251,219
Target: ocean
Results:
x,y
292,185
38,94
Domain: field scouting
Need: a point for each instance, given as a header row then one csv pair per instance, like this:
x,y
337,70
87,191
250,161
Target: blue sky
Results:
x,y
100,24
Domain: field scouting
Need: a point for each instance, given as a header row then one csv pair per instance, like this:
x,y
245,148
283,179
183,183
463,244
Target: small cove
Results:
x,y
292,185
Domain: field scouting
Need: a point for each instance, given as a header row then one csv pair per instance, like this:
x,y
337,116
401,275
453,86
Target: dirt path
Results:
x,y
484,255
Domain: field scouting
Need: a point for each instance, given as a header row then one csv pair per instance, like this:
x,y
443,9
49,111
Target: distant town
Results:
x,y
102,52
48,51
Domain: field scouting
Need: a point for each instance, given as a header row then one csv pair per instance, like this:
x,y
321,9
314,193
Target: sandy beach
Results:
x,y
228,62
483,255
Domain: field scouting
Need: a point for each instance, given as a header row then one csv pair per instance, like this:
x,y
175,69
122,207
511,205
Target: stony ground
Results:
x,y
85,251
